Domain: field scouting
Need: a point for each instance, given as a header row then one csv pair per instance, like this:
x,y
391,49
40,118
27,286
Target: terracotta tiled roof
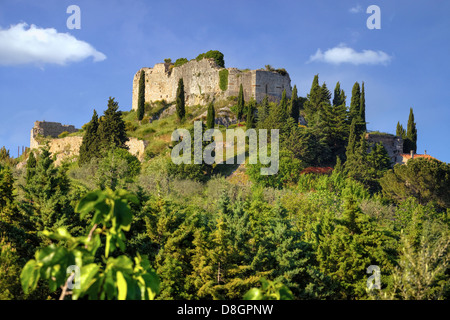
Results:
x,y
320,170
407,156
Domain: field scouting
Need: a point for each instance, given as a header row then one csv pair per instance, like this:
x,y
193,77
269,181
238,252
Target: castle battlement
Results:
x,y
202,83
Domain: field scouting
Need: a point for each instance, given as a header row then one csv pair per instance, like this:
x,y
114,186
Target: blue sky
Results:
x,y
406,62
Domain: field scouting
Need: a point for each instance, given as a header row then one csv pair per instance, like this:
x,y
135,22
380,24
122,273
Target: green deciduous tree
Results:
x,y
427,180
112,276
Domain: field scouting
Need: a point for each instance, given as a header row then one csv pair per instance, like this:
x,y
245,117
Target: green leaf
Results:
x,y
29,276
121,263
122,286
87,278
108,244
253,294
123,214
152,283
88,202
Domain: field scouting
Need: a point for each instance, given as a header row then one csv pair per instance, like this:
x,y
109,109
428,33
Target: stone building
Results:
x,y
392,144
202,83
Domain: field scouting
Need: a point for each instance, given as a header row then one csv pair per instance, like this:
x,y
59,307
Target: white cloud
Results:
x,y
356,9
343,54
22,45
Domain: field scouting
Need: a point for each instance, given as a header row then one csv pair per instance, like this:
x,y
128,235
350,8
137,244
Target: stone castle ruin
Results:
x,y
392,144
202,83
48,129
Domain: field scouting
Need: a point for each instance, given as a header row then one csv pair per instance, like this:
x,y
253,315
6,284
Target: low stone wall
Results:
x,y
69,147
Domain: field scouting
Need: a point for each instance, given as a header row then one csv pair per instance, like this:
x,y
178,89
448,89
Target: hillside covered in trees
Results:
x,y
156,230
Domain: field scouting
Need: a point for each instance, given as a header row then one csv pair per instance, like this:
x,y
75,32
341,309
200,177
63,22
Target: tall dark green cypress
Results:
x,y
411,133
31,166
181,111
211,116
263,112
339,95
355,102
241,103
352,141
294,105
141,97
313,103
90,146
283,102
400,131
250,120
362,110
111,128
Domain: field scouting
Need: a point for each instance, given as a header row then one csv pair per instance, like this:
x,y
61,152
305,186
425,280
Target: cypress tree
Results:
x,y
351,146
90,147
355,102
211,117
283,103
325,94
31,166
241,103
263,112
315,98
400,131
250,121
181,111
411,133
339,95
362,110
141,97
294,105
111,128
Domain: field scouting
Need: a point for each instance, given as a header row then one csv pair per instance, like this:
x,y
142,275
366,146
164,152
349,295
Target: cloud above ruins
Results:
x,y
21,44
344,54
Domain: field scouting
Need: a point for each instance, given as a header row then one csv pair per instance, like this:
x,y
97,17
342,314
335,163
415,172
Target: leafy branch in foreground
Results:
x,y
269,290
113,277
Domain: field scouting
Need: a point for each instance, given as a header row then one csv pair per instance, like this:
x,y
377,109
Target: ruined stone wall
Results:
x,y
69,147
272,84
48,129
392,144
201,83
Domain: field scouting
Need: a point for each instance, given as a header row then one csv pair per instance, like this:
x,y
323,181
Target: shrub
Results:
x,y
282,71
63,134
180,61
216,55
130,126
223,79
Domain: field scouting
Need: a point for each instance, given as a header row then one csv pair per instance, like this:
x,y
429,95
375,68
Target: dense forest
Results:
x,y
156,230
